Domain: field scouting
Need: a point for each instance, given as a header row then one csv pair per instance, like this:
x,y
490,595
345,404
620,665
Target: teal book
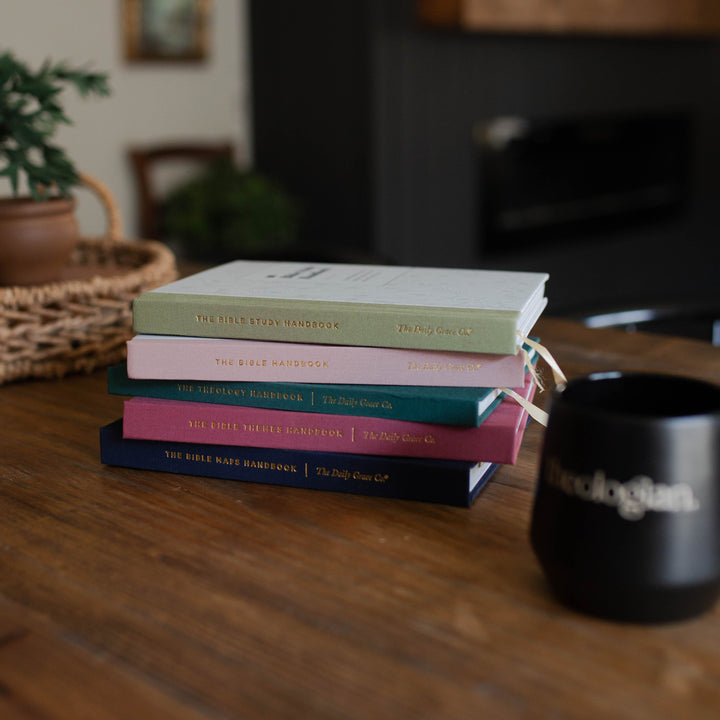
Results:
x,y
444,405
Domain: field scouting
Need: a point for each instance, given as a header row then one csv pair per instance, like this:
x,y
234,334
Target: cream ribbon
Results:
x,y
544,353
534,411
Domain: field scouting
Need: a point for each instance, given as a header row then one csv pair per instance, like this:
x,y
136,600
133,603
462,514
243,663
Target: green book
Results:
x,y
445,405
484,311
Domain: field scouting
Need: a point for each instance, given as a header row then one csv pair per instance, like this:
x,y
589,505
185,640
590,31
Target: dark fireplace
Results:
x,y
603,169
548,180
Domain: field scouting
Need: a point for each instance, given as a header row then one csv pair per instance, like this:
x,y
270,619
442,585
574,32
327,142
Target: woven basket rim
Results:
x,y
156,258
78,325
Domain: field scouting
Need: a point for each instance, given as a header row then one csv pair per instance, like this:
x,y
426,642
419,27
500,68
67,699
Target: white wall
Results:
x,y
150,101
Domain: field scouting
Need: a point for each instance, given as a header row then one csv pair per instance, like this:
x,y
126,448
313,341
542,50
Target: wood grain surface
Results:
x,y
131,594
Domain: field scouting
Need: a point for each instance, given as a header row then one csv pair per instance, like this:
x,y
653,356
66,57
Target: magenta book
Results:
x,y
496,440
164,357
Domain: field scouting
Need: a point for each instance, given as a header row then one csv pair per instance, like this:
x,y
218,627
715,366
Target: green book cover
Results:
x,y
337,304
446,405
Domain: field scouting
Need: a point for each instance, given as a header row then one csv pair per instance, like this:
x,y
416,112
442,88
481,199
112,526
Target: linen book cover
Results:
x,y
341,304
197,358
438,481
496,440
445,405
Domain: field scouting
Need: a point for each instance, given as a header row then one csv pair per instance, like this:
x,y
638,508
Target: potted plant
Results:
x,y
227,212
38,229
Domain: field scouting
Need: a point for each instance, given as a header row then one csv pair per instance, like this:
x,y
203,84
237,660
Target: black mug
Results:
x,y
626,518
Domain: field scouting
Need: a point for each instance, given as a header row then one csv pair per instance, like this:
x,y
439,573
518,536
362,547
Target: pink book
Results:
x,y
496,440
166,357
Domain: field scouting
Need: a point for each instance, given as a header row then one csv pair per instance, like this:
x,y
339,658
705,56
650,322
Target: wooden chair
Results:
x,y
147,160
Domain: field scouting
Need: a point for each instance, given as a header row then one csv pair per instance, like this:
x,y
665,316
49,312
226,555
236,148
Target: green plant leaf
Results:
x,y
30,113
11,172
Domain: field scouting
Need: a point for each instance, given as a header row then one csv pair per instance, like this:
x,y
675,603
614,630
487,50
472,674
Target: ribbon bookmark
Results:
x,y
544,353
532,369
534,411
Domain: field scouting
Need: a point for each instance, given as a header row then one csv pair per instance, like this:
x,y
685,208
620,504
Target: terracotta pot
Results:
x,y
36,239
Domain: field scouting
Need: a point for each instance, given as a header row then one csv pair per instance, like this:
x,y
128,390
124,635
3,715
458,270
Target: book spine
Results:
x,y
327,323
421,404
449,483
192,358
496,440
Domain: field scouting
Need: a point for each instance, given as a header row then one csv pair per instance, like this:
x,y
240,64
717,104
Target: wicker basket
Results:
x,y
82,322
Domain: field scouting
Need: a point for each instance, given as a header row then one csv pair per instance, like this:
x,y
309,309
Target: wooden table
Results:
x,y
129,594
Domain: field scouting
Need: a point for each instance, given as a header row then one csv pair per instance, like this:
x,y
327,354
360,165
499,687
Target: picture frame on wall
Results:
x,y
166,30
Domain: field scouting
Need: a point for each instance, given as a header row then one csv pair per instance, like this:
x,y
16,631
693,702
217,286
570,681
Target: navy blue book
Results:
x,y
448,482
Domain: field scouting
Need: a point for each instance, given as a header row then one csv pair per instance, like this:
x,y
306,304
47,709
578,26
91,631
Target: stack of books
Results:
x,y
379,380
